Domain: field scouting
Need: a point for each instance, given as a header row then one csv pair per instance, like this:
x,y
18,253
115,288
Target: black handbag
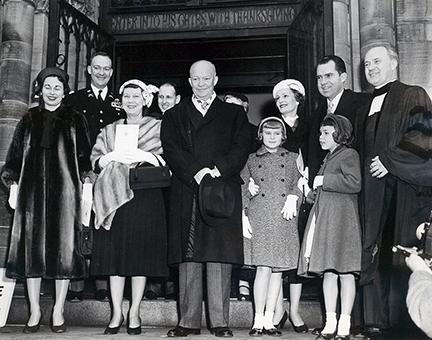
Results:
x,y
86,241
148,176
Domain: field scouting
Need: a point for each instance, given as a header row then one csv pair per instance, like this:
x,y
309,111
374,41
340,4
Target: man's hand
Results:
x,y
200,174
290,207
377,169
252,187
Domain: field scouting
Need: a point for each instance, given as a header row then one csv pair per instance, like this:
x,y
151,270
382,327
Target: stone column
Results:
x,y
15,69
15,66
414,42
376,23
342,35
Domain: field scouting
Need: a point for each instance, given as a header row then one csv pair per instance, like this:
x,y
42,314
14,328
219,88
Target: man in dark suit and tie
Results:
x,y
331,76
100,108
203,136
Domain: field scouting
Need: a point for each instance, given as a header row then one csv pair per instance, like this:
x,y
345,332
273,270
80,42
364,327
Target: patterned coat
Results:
x,y
336,241
275,241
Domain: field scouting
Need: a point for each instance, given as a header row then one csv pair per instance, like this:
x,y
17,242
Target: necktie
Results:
x,y
330,108
204,104
100,96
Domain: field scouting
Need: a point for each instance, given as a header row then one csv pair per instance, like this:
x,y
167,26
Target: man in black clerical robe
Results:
x,y
391,204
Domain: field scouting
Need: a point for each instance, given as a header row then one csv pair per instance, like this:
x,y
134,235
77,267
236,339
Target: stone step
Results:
x,y
154,313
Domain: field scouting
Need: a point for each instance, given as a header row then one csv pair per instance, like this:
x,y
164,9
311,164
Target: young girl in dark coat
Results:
x,y
331,245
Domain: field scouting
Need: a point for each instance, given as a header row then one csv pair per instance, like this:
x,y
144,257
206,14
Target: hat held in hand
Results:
x,y
216,200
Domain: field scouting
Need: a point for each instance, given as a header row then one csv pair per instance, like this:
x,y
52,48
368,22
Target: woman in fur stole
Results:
x,y
132,241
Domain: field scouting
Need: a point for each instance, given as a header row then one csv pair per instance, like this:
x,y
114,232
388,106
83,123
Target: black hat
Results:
x,y
216,200
47,72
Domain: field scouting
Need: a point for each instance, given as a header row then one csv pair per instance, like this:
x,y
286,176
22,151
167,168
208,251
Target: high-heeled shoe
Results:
x,y
114,330
134,330
57,329
272,332
32,329
282,321
299,329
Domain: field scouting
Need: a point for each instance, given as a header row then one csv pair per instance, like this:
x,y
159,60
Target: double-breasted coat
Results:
x,y
336,242
48,158
275,240
191,142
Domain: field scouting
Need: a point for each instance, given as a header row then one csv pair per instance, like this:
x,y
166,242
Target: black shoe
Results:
x,y
114,330
57,329
180,331
272,332
300,329
222,332
282,321
101,294
375,333
133,330
342,337
326,336
256,332
74,296
32,329
317,331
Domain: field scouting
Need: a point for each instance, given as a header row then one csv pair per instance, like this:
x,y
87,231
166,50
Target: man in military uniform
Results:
x,y
100,108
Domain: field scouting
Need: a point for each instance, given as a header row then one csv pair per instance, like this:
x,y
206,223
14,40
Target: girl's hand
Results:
x,y
13,194
289,210
253,188
318,181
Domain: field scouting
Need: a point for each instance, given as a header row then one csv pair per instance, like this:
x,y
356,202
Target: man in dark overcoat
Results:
x,y
391,206
204,136
331,78
98,104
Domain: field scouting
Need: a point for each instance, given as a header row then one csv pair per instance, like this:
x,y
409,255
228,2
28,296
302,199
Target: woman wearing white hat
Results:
x,y
131,240
289,96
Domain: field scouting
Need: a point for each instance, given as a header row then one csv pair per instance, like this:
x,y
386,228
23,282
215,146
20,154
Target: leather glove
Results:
x,y
106,159
86,203
318,181
252,187
200,174
247,228
13,194
290,207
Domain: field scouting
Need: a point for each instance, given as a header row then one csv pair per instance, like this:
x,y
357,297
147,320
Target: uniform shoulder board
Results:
x,y
71,92
116,104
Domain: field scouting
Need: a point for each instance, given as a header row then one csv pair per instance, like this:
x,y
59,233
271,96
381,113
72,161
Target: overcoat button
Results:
x,y
282,179
283,195
282,166
259,166
262,179
262,195
101,120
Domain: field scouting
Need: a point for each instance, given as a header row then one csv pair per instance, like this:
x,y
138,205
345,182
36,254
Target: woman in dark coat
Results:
x,y
132,240
289,96
48,159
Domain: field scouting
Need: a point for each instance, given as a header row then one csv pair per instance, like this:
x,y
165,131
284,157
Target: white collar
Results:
x,y
96,91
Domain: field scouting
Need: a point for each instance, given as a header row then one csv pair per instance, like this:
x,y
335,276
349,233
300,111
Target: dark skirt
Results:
x,y
136,244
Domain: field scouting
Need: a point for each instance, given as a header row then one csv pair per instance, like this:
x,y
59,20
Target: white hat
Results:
x,y
147,90
291,84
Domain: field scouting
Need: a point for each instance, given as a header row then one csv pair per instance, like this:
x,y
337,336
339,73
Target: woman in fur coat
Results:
x,y
48,160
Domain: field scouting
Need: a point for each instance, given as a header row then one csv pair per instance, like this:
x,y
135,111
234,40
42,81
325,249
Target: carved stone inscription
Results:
x,y
230,18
